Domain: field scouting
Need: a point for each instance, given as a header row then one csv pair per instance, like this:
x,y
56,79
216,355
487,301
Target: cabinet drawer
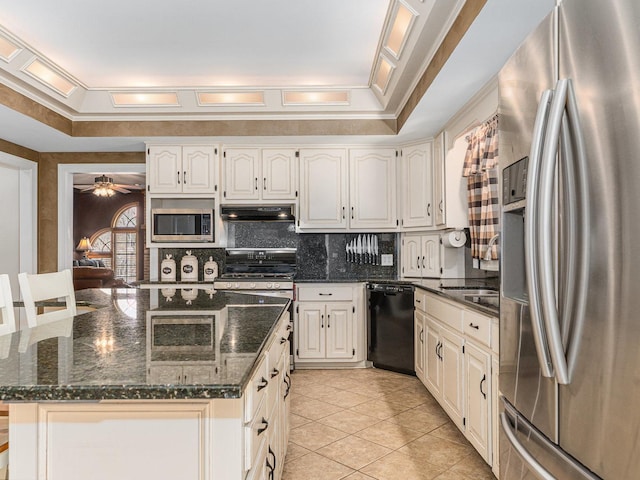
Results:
x,y
478,327
325,294
420,300
445,312
256,390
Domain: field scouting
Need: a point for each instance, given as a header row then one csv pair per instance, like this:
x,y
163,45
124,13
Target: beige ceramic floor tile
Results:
x,y
473,467
295,451
354,452
437,451
370,388
297,421
314,467
349,421
408,398
397,466
359,476
315,390
312,408
343,398
389,434
420,421
379,409
450,432
315,435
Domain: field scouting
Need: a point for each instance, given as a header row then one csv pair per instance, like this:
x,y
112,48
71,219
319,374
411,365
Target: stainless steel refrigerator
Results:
x,y
570,307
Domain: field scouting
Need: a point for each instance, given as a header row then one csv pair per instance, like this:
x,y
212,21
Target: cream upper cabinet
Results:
x,y
417,175
372,192
259,174
420,255
323,189
182,169
439,181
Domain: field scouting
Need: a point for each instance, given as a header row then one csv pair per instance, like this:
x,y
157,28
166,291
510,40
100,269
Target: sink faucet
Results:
x,y
492,241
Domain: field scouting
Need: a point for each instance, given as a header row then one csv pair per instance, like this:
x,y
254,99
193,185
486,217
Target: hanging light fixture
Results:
x,y
104,187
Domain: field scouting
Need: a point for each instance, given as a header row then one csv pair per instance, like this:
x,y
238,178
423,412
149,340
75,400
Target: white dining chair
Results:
x,y
7,315
47,286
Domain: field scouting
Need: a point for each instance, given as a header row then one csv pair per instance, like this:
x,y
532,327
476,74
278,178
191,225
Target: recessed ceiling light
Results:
x,y
49,77
8,49
319,97
398,33
230,98
383,74
145,99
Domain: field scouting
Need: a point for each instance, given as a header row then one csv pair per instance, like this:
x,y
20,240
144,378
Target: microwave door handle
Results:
x,y
530,231
545,234
582,219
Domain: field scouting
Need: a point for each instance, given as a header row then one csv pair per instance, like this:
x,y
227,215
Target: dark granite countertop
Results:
x,y
107,353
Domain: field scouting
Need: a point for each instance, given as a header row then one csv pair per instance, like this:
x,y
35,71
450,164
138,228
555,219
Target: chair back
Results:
x,y
47,286
7,314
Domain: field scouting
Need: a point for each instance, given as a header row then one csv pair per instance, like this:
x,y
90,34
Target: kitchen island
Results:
x,y
159,383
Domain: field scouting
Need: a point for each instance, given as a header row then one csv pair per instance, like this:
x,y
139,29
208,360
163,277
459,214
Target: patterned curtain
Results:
x,y
481,170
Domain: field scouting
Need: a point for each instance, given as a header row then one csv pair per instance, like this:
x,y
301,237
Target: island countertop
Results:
x,y
116,349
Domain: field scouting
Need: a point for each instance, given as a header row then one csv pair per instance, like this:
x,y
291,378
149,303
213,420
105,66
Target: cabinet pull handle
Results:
x,y
418,262
282,340
184,177
428,209
440,206
275,463
328,321
343,212
256,183
352,213
421,336
263,384
418,301
423,262
484,378
288,383
263,429
264,183
321,321
477,327
178,177
275,372
325,294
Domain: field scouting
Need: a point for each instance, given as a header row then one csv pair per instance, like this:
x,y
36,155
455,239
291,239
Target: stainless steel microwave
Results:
x,y
182,225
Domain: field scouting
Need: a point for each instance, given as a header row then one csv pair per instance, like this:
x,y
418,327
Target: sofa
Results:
x,y
89,273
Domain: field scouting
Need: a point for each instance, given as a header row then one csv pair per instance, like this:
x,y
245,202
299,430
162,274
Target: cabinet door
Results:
x,y
240,167
418,209
411,254
452,375
372,194
198,169
438,180
432,362
323,188
164,164
419,344
278,174
310,331
478,398
339,331
430,261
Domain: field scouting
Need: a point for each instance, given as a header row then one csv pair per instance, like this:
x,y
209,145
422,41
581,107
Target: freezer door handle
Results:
x,y
531,235
535,467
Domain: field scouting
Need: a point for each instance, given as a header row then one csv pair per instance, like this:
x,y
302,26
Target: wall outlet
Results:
x,y
386,260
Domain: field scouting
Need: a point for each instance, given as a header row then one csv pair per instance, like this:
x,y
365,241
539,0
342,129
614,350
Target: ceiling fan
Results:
x,y
105,187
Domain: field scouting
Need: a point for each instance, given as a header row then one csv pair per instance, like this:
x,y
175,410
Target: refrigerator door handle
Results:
x,y
534,466
579,299
531,235
545,234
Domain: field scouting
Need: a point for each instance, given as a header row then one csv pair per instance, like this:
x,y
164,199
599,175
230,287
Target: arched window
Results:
x,y
117,246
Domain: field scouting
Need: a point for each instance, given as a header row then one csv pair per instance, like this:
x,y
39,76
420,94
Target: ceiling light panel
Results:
x,y
8,49
401,23
230,98
317,97
383,74
145,99
49,77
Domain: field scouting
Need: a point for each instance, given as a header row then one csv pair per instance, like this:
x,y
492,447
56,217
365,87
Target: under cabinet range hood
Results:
x,y
255,213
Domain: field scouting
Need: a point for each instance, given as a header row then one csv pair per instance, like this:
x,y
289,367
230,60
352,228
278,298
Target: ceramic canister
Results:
x,y
168,269
210,270
189,268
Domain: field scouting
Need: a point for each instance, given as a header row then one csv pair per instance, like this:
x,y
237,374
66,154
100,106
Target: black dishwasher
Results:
x,y
390,327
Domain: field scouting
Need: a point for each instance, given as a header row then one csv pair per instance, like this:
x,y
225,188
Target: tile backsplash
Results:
x,y
319,256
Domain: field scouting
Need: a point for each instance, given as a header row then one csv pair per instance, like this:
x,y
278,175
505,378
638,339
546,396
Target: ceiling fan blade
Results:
x,y
118,188
130,187
85,188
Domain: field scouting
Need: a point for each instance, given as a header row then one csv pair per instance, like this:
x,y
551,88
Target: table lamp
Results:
x,y
84,245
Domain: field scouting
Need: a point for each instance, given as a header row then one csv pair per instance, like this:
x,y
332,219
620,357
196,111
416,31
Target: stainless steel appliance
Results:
x,y
569,333
182,225
257,213
390,327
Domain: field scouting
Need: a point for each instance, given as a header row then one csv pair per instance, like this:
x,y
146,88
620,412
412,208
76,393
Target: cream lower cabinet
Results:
x,y
457,351
328,324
